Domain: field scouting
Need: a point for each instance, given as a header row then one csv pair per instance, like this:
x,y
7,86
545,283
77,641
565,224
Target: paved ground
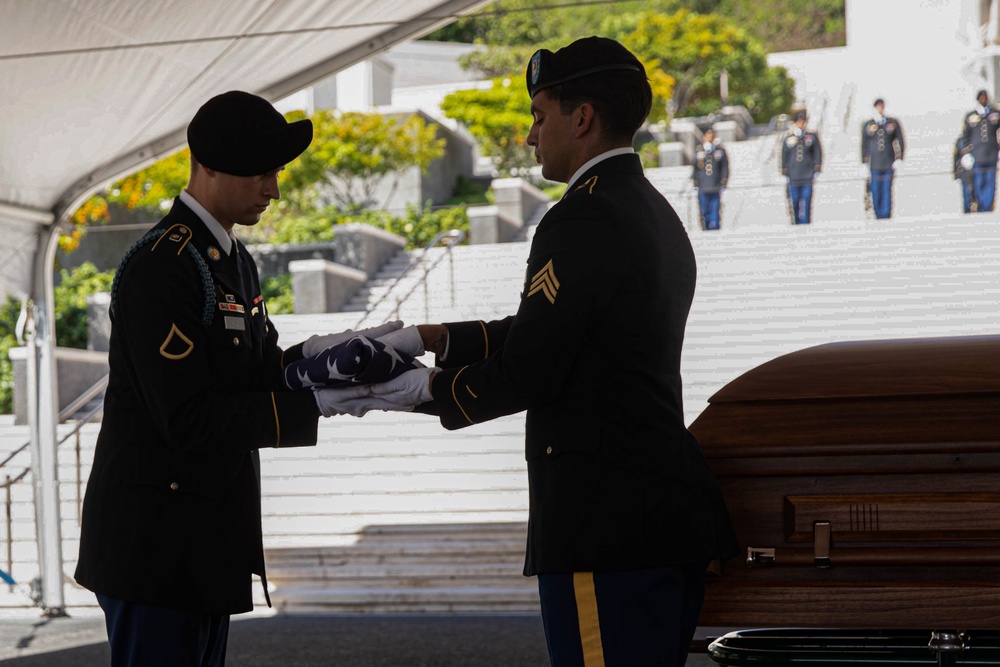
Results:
x,y
481,640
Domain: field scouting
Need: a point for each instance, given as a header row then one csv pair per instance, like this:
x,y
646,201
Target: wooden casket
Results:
x,y
863,480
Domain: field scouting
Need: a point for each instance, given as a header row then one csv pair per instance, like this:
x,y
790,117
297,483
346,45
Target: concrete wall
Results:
x,y
76,370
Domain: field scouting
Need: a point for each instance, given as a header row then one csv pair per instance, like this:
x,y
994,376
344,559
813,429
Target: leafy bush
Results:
x,y
70,302
9,312
277,291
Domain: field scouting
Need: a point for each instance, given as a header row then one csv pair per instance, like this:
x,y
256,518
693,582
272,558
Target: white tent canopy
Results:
x,y
91,90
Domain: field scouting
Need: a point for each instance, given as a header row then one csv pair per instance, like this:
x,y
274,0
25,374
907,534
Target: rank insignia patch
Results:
x,y
176,345
545,282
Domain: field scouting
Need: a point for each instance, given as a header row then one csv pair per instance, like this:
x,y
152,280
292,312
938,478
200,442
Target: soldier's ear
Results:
x,y
583,119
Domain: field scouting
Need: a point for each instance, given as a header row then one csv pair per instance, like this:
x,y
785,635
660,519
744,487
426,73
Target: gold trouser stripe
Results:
x,y
590,625
277,422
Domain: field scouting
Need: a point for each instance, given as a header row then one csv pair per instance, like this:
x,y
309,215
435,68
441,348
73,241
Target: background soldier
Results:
x,y
710,173
801,161
980,133
962,169
882,149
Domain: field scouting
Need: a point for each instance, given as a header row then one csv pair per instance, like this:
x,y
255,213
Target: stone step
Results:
x,y
375,577
515,598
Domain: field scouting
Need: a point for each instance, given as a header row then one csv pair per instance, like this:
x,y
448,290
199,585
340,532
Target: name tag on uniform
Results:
x,y
235,323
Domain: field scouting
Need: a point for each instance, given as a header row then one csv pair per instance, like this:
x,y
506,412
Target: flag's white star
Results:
x,y
304,379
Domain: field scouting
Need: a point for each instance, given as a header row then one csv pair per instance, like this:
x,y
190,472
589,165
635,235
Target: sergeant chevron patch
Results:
x,y
545,282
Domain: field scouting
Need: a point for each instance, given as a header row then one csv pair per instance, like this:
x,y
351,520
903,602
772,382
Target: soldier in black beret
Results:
x,y
882,148
801,162
171,529
624,513
710,173
979,131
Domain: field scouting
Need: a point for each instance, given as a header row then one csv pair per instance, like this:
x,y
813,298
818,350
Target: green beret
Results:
x,y
583,57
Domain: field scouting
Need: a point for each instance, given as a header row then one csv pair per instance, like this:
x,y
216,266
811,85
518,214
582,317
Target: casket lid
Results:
x,y
866,369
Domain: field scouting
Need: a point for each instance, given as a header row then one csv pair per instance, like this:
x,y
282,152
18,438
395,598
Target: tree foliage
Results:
x,y
353,153
499,119
781,25
696,48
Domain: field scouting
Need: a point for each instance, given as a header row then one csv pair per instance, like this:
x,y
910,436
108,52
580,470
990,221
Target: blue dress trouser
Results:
x,y
144,635
638,618
967,194
881,188
985,184
800,195
709,203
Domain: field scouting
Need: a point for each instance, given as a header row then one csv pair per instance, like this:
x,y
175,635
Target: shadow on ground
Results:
x,y
514,640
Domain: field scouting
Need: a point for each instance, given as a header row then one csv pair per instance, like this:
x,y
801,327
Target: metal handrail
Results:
x,y
71,409
454,237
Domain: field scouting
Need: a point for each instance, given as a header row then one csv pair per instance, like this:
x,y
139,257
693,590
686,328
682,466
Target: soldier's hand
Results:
x,y
406,340
411,388
317,343
434,338
355,401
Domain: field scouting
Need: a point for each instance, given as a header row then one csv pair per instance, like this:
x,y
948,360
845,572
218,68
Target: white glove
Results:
x,y
815,175
411,388
896,164
968,162
317,343
406,340
866,170
354,401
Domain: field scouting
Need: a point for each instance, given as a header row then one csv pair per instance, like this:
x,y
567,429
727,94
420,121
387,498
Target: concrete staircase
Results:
x,y
408,568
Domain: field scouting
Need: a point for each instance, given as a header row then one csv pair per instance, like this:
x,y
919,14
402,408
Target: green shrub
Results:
x,y
277,291
9,313
70,302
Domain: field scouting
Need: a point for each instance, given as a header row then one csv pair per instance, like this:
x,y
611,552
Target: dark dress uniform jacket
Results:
x,y
710,171
171,515
801,157
882,143
616,481
981,134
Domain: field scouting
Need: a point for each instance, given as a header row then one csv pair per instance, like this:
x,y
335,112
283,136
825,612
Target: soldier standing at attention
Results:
x,y
801,161
882,149
980,133
963,165
710,173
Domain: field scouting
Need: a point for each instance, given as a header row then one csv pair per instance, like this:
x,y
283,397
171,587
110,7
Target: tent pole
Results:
x,y
43,415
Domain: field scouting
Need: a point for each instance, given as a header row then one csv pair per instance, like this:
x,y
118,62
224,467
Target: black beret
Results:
x,y
242,134
981,93
799,115
583,57
878,101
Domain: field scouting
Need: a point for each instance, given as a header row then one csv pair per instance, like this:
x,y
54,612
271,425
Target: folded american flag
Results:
x,y
358,361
